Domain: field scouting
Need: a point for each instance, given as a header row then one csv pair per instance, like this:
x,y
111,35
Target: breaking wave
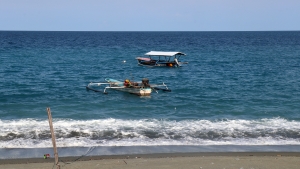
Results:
x,y
29,133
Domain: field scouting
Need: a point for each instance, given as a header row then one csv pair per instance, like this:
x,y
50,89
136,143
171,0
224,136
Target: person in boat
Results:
x,y
127,83
145,82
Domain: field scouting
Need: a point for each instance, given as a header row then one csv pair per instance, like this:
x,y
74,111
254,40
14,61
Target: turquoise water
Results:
x,y
239,88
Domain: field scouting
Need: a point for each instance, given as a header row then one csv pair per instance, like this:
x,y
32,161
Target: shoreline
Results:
x,y
156,155
19,153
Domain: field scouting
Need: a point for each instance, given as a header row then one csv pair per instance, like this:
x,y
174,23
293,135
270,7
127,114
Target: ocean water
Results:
x,y
238,88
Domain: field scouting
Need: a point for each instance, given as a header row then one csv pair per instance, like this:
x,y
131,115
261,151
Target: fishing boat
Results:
x,y
142,88
159,58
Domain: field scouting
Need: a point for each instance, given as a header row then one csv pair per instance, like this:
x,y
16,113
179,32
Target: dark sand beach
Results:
x,y
242,160
239,160
201,157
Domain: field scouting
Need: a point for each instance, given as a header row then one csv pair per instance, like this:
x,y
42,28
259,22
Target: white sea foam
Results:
x,y
28,133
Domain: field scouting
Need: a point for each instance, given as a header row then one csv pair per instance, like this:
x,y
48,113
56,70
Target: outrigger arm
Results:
x,y
110,87
157,88
88,87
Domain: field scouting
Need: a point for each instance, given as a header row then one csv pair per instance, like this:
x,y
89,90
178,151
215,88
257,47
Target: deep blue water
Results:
x,y
239,88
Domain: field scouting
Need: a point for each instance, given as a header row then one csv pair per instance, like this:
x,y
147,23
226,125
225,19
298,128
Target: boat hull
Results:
x,y
137,91
157,63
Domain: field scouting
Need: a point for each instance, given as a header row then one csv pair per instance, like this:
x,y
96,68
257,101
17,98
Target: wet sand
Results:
x,y
228,160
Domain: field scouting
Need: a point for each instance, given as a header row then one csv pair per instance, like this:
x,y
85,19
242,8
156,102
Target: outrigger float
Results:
x,y
142,88
158,58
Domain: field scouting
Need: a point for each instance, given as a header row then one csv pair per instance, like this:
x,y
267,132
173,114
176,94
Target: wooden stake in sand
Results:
x,y
53,138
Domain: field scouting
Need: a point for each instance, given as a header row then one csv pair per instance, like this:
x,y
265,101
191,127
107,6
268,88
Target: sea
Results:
x,y
239,91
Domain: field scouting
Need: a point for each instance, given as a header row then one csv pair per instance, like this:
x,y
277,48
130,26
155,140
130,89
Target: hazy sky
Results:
x,y
150,15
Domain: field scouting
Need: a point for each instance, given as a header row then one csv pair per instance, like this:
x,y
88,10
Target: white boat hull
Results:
x,y
137,91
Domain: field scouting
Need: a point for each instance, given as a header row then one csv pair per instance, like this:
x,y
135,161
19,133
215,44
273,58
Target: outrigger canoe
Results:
x,y
138,88
159,58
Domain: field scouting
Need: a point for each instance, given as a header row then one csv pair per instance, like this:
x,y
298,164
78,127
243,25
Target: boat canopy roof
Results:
x,y
160,53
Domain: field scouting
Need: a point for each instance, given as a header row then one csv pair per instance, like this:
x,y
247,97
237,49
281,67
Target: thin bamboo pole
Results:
x,y
53,138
